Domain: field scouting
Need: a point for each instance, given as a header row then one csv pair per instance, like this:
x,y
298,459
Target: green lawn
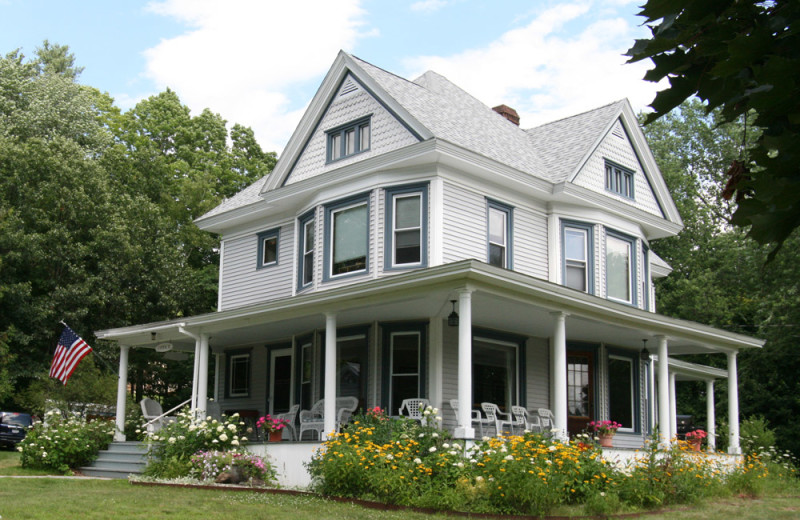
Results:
x,y
44,499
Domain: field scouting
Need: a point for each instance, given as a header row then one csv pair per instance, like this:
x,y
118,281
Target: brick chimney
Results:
x,y
507,112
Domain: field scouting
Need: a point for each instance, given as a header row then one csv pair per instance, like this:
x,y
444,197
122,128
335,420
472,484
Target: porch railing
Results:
x,y
157,419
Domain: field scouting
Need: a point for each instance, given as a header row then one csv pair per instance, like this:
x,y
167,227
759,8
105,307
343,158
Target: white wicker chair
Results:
x,y
548,420
154,415
313,420
290,418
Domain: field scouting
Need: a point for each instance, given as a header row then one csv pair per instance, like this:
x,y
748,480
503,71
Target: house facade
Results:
x,y
413,242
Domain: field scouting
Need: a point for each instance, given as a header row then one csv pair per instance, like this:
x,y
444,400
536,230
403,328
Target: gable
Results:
x,y
615,147
351,102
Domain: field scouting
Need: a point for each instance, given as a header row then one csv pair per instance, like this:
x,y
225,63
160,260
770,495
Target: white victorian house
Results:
x,y
398,204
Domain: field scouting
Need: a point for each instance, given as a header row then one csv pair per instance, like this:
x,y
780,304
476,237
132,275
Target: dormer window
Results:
x,y
619,180
349,139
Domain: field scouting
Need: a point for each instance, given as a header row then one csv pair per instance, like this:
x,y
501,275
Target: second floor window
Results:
x,y
620,265
499,234
347,236
306,267
406,235
268,248
576,257
349,139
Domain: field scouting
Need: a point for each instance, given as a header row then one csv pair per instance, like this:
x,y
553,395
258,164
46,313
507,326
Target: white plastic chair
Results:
x,y
414,408
154,415
313,420
525,421
547,419
477,419
290,418
494,415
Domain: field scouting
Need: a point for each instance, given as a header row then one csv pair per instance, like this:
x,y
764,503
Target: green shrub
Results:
x,y
171,448
62,444
755,436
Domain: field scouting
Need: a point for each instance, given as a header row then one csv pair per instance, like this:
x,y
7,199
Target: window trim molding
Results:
x,y
388,248
627,174
302,221
229,356
646,296
509,211
387,329
262,237
330,209
633,267
340,131
590,249
636,376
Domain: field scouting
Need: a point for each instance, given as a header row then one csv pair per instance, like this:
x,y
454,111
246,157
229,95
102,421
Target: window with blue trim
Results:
x,y
622,391
619,180
268,248
404,364
406,226
349,139
620,268
306,247
499,225
347,237
577,253
238,372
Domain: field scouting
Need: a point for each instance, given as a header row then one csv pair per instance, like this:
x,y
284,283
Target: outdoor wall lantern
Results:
x,y
452,320
645,354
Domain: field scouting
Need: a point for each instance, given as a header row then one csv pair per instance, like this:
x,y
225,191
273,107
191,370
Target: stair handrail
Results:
x,y
151,421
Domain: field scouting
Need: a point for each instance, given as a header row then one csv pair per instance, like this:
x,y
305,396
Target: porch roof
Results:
x,y
502,299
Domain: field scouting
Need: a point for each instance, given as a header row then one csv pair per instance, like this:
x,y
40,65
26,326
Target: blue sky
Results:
x,y
259,62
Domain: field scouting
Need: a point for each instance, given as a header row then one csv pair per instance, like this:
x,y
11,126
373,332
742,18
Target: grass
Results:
x,y
9,465
46,499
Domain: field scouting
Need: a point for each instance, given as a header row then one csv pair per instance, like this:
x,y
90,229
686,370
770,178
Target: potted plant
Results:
x,y
605,431
695,438
272,426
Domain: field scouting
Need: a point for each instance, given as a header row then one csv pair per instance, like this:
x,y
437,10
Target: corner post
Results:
x,y
663,391
330,373
122,391
733,405
464,430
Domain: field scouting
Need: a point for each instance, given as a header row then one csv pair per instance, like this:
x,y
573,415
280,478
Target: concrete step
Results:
x,y
118,461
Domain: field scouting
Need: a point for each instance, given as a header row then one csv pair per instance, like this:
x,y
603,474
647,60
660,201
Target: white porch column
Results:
x,y
330,373
122,392
711,423
193,403
559,356
435,362
653,421
202,380
673,408
217,373
663,391
464,430
733,405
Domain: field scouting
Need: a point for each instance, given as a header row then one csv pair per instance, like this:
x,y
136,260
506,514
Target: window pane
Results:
x,y
240,372
308,268
578,386
364,137
350,142
350,240
497,255
575,244
403,387
494,374
405,354
351,365
620,391
308,244
407,213
576,277
407,247
497,226
270,250
618,274
336,146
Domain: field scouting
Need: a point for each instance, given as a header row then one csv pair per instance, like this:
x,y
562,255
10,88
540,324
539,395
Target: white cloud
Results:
x,y
428,5
240,58
548,69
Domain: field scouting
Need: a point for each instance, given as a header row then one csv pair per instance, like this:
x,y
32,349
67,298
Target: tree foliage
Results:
x,y
96,211
743,58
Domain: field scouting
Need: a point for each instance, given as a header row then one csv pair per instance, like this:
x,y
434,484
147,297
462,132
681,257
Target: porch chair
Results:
x,y
313,420
213,410
152,411
345,408
524,421
290,417
477,419
548,420
494,415
414,408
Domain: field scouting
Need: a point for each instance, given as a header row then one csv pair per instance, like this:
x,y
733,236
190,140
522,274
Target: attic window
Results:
x,y
349,139
619,180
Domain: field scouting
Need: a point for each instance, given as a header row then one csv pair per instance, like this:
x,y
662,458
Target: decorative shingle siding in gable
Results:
x,y
243,284
618,150
387,133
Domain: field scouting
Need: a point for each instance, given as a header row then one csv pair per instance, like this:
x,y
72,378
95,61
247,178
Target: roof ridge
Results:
x,y
596,109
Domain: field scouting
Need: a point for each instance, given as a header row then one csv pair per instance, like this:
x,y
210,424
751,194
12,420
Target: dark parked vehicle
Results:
x,y
13,427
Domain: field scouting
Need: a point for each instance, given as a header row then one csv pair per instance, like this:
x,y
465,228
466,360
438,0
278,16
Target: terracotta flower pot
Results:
x,y
276,436
695,444
606,440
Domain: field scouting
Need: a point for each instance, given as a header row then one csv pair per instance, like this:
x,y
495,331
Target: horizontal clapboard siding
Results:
x,y
464,224
530,242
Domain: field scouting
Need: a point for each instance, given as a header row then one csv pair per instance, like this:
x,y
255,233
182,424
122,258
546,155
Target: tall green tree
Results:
x,y
743,58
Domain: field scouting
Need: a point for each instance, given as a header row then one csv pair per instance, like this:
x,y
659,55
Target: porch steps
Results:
x,y
118,461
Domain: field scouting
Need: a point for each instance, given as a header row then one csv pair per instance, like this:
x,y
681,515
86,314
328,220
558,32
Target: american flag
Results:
x,y
69,352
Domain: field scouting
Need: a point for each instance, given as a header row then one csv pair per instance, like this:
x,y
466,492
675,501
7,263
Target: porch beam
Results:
x,y
733,406
330,374
464,430
663,391
711,423
122,390
559,356
202,380
673,407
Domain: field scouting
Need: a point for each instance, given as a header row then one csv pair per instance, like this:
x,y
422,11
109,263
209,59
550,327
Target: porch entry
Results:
x,y
280,381
498,370
580,390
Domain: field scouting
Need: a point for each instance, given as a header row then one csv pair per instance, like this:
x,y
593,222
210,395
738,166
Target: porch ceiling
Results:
x,y
501,299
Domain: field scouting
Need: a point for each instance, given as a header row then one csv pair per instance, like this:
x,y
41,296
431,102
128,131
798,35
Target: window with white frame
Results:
x,y
406,233
620,268
268,248
405,367
619,180
622,391
238,374
347,236
499,234
577,253
495,371
305,274
349,139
